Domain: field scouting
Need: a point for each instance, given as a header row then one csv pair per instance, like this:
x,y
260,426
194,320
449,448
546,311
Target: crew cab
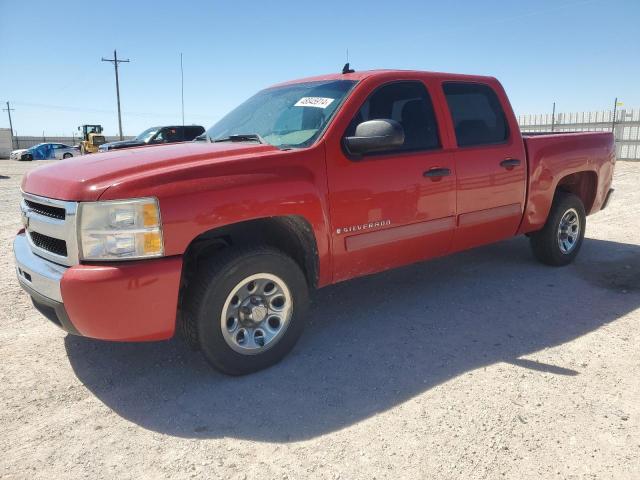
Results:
x,y
157,135
307,183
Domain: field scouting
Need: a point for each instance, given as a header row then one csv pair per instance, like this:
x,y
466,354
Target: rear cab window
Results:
x,y
477,115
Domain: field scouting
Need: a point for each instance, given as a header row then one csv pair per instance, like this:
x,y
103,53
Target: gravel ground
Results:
x,y
485,364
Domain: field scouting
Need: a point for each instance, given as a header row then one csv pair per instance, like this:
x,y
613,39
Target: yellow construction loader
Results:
x,y
92,138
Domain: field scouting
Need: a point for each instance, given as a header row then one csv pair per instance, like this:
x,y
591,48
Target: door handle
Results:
x,y
510,163
437,172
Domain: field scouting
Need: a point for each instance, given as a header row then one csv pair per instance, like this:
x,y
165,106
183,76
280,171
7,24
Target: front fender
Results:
x,y
203,197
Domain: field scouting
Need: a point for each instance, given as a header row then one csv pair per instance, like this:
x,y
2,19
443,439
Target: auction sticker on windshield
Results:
x,y
318,102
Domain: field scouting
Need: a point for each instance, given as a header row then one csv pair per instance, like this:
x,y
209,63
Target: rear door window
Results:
x,y
192,132
478,117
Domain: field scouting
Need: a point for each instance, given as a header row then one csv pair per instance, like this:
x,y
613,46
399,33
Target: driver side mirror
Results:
x,y
375,136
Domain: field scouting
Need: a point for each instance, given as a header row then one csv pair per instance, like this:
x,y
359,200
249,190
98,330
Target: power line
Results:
x,y
9,110
72,108
115,62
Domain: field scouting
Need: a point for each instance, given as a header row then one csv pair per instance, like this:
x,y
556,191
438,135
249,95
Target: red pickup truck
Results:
x,y
306,184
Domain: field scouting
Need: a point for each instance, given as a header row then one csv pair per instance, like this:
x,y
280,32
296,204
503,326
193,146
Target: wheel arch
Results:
x,y
292,234
583,184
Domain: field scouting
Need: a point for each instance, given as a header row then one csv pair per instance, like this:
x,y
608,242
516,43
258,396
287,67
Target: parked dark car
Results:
x,y
157,135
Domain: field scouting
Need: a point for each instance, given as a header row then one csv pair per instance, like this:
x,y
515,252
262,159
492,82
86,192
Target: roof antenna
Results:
x,y
346,68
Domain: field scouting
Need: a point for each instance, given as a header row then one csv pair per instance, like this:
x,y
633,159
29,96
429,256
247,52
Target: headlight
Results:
x,y
120,229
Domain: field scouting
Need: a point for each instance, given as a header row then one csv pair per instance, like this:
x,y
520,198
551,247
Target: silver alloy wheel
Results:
x,y
256,313
569,231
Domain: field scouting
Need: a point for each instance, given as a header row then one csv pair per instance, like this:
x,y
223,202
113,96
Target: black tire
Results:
x,y
27,158
213,284
67,155
545,243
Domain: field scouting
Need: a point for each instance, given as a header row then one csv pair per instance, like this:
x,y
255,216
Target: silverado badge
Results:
x,y
364,226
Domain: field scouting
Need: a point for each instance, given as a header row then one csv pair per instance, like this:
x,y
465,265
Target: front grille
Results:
x,y
46,210
51,226
50,244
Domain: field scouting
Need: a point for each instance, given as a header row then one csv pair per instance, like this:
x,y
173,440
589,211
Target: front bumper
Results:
x,y
35,273
133,301
41,280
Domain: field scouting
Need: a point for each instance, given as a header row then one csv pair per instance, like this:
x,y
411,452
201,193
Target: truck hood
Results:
x,y
124,143
85,178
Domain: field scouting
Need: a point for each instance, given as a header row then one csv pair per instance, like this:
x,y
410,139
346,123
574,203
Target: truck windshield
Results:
x,y
288,116
147,134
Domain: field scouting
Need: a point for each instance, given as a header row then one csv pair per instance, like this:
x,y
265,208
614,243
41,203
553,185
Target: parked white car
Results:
x,y
16,154
49,151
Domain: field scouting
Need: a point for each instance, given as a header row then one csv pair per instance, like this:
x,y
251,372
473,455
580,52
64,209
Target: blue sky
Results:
x,y
578,53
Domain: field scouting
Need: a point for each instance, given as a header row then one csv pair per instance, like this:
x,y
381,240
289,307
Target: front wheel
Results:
x,y
559,242
67,155
246,308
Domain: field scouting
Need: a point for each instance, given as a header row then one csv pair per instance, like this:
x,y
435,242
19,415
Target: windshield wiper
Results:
x,y
248,137
202,138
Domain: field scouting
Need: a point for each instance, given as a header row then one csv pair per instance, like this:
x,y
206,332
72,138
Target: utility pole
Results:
x,y
9,110
115,62
182,87
553,116
615,111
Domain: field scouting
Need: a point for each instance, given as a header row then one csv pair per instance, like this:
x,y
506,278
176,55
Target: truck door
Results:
x,y
392,207
490,164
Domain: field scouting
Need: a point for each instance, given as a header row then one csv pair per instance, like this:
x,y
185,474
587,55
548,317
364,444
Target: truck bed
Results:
x,y
559,158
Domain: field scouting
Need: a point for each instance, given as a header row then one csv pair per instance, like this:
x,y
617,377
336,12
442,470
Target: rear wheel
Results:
x,y
246,308
559,242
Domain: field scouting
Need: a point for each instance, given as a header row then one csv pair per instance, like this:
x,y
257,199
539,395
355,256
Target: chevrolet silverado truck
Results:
x,y
307,183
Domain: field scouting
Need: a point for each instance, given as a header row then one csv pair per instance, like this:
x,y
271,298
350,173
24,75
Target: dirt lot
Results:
x,y
481,365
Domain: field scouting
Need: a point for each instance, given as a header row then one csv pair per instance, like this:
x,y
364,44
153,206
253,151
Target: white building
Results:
x,y
5,142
